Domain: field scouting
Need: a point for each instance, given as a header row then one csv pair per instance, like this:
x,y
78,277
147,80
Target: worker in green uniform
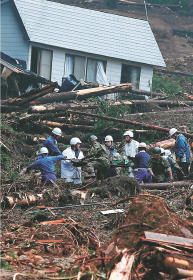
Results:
x,y
98,157
159,167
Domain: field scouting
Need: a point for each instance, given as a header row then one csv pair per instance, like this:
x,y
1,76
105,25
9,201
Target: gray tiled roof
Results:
x,y
89,31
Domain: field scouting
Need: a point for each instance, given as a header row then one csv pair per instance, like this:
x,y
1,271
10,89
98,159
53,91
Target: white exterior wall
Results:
x,y
146,78
113,71
58,62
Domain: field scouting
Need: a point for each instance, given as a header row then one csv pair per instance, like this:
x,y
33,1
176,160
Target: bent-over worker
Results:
x,y
46,166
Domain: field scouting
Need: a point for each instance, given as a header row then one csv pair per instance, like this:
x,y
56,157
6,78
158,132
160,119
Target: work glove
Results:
x,y
23,171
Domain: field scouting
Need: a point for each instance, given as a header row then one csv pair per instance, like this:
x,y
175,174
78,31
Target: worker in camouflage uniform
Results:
x,y
159,167
99,159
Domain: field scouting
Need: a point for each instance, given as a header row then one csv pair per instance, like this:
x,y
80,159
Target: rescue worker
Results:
x,y
159,167
130,148
99,157
70,172
142,158
109,144
51,142
177,171
46,166
111,150
182,150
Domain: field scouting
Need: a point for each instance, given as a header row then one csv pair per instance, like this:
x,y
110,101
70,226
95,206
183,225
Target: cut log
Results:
x,y
26,98
69,126
82,94
160,186
146,114
8,108
177,262
148,93
184,273
169,143
155,127
28,199
188,96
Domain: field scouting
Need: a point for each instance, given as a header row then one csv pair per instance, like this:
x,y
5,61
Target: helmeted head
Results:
x,y
173,132
128,135
74,141
156,152
43,151
57,131
93,138
167,153
108,140
142,146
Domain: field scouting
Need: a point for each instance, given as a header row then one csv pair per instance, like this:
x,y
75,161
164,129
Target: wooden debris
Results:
x,y
156,127
169,143
171,239
27,199
82,94
163,186
61,221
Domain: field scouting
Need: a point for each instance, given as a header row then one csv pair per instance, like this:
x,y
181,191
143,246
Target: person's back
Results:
x,y
51,142
142,160
182,150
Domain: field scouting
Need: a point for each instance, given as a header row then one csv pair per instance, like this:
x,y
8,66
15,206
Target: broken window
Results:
x,y
83,67
41,62
130,74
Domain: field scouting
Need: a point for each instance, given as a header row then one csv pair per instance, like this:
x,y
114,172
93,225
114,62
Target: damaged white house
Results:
x,y
56,40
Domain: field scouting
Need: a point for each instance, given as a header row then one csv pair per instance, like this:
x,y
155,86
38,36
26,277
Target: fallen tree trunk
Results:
x,y
8,108
26,98
27,199
148,93
82,94
169,143
165,71
128,122
157,186
188,96
69,126
179,111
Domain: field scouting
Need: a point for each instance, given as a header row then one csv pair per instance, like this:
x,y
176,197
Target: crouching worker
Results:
x,y
45,164
141,172
70,172
99,161
159,167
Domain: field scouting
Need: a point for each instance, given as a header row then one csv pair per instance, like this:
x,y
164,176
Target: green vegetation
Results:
x,y
168,85
5,265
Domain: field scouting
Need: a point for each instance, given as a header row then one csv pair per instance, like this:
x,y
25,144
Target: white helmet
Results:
x,y
128,133
43,150
108,138
57,131
167,153
142,145
162,151
75,141
172,131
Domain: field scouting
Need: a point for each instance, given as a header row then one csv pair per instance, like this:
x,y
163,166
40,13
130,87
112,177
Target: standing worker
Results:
x,y
130,148
51,142
182,150
46,166
112,151
159,167
141,165
70,172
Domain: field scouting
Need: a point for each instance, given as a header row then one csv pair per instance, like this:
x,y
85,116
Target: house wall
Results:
x,y
13,39
146,78
113,67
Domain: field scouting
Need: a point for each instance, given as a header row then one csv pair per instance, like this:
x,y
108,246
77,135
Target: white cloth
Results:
x,y
131,148
68,65
101,75
69,172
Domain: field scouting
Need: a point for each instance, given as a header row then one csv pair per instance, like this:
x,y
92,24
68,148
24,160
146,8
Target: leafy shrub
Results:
x,y
165,84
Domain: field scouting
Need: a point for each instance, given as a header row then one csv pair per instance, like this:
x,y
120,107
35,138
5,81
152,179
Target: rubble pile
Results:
x,y
151,243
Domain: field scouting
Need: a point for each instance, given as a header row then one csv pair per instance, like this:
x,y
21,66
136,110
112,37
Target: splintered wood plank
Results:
x,y
152,236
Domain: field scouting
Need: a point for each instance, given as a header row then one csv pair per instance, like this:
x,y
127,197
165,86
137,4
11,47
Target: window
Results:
x,y
41,62
130,74
84,68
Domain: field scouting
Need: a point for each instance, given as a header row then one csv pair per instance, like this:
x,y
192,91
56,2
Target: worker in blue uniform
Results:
x,y
46,166
182,150
51,142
